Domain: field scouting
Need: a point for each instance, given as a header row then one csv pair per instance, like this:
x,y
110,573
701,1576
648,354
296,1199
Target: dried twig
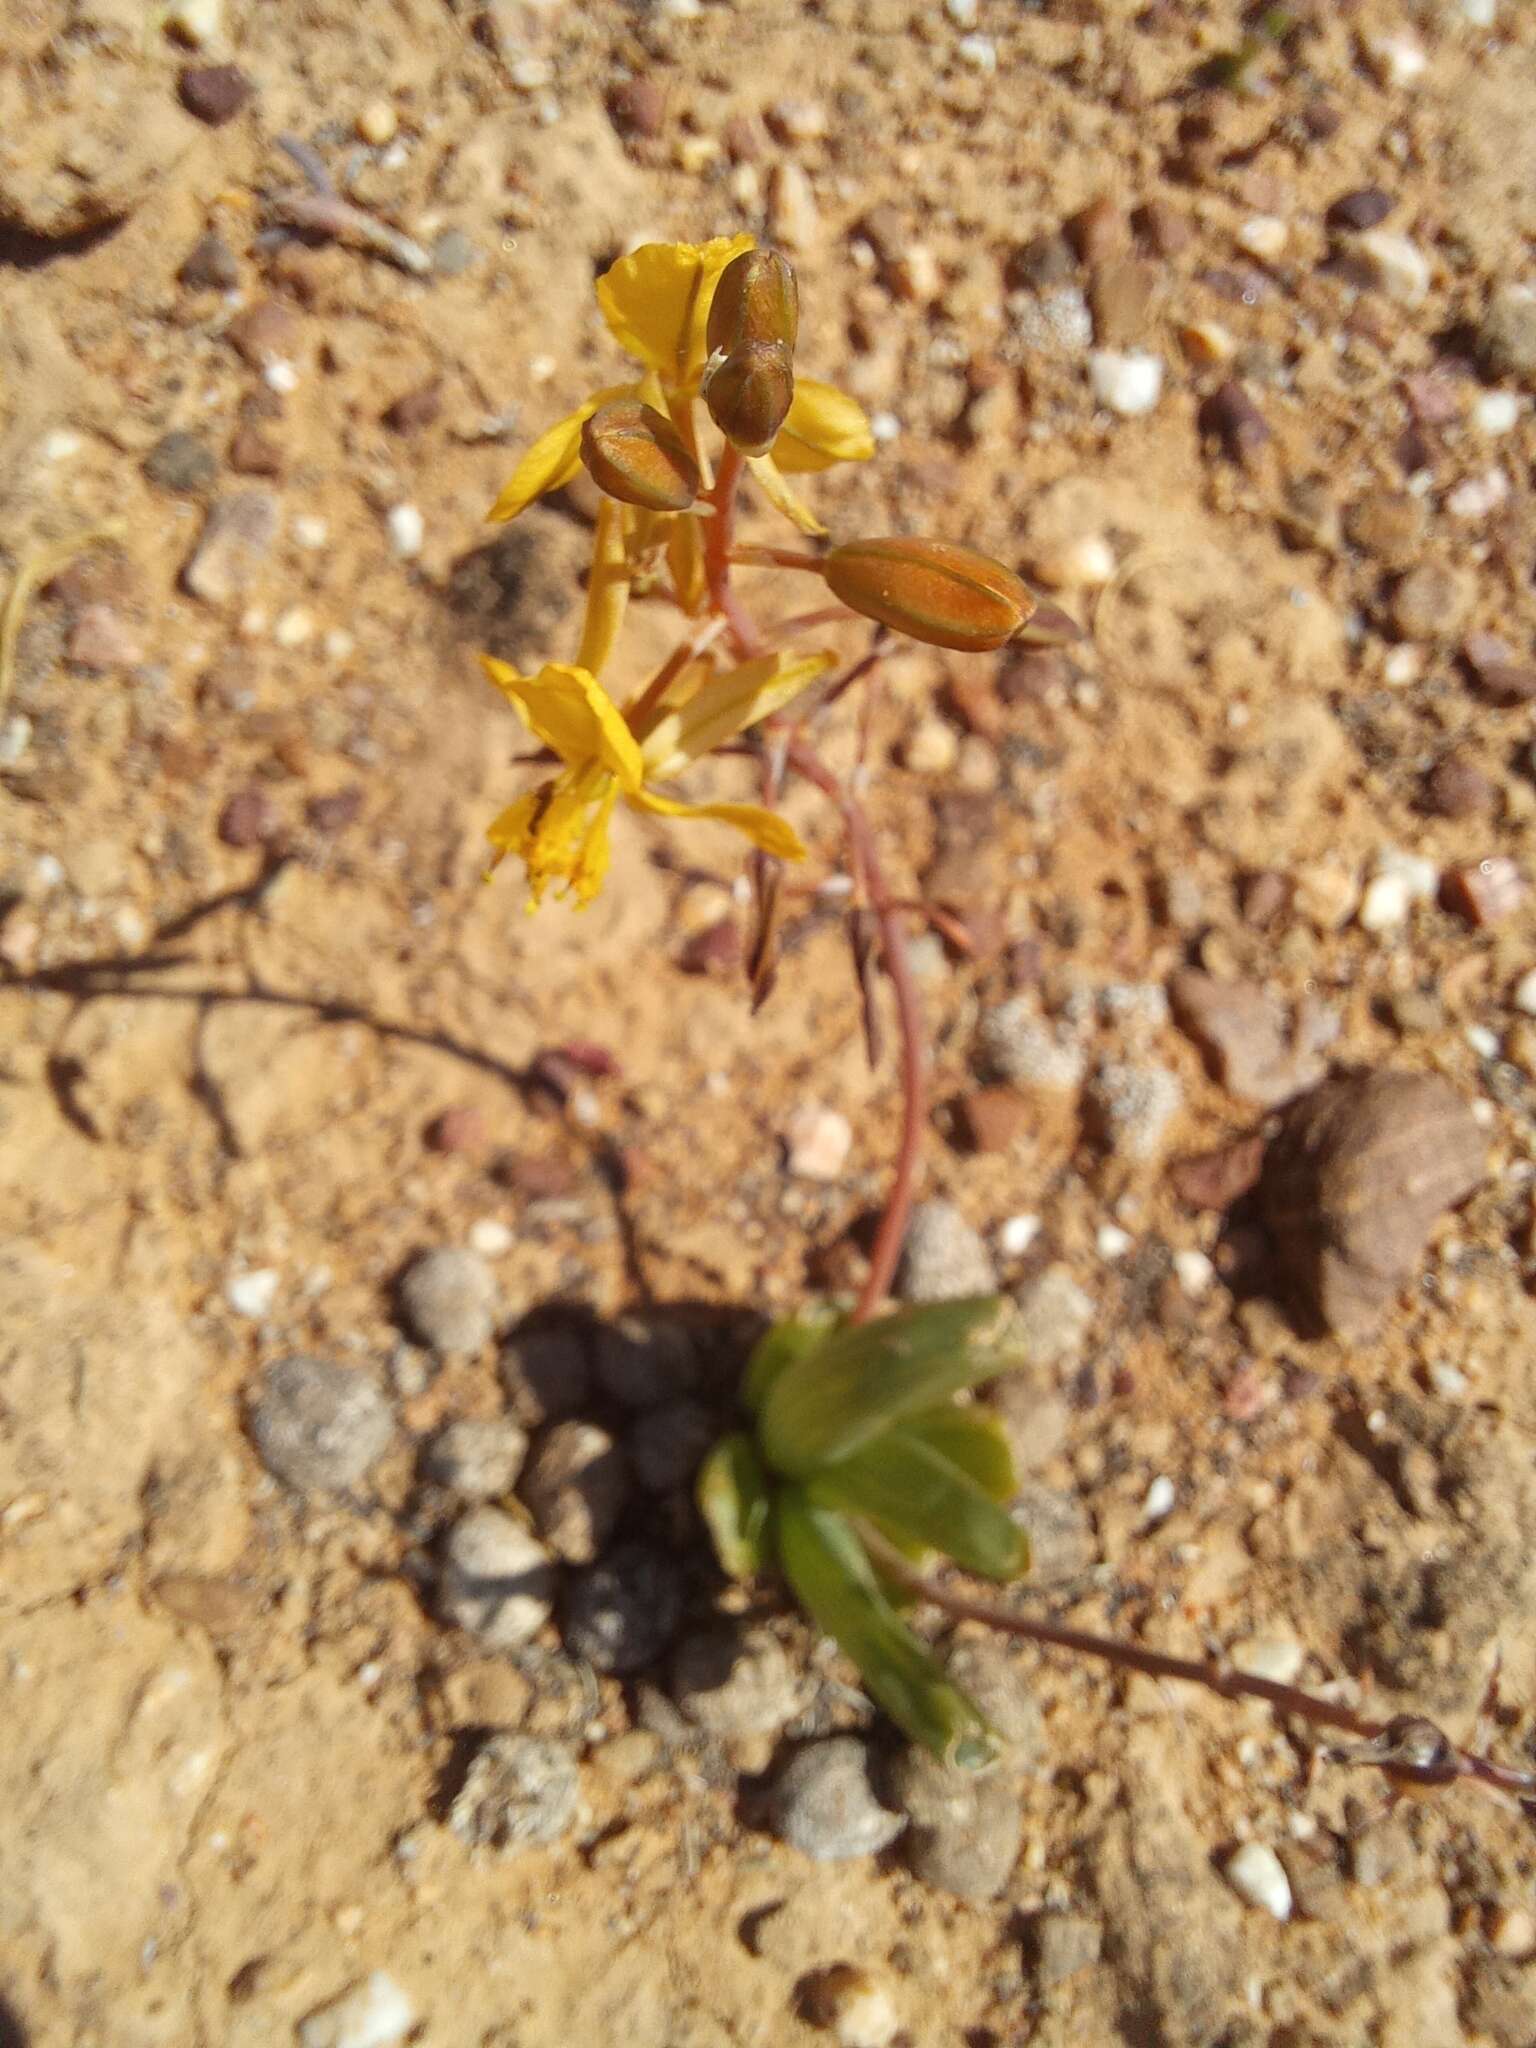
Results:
x,y
323,211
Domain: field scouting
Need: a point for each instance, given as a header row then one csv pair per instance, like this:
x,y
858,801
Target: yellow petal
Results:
x,y
569,711
560,834
781,497
554,458
824,426
656,301
741,698
764,828
607,589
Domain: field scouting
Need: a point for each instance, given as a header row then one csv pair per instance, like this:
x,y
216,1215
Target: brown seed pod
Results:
x,y
1353,1184
748,394
635,454
931,590
755,300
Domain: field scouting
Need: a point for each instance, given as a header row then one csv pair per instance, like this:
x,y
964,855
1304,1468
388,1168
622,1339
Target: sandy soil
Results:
x,y
233,1725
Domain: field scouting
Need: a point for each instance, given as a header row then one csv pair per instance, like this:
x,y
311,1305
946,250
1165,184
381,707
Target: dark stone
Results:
x,y
181,462
1366,208
215,93
624,1612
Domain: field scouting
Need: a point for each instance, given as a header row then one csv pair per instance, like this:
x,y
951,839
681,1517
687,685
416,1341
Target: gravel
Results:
x,y
477,1459
666,1446
966,1826
1055,1316
575,1488
236,539
181,462
622,1613
545,1372
989,1672
824,1805
1506,336
448,1298
495,1581
1061,1944
943,1259
1017,1045
1135,1106
642,1362
736,1681
520,1792
318,1426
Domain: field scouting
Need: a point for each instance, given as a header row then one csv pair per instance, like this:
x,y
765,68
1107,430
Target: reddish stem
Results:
x,y
1408,1748
909,1016
717,556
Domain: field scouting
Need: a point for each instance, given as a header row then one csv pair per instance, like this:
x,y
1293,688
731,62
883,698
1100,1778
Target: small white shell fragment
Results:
x,y
1496,412
1162,1496
1385,904
252,1294
1524,997
374,2014
1265,236
407,530
1195,1272
376,123
818,1141
1276,1658
1397,60
1400,267
1112,1242
194,22
1015,1234
1256,1874
1128,383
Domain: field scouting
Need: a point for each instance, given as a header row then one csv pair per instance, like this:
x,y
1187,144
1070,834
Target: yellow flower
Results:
x,y
656,302
560,830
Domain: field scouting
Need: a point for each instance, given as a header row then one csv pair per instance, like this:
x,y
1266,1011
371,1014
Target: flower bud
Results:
x,y
930,590
635,454
755,300
749,393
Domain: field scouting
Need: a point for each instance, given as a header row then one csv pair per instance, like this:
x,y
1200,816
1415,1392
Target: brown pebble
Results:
x,y
1430,603
1165,230
215,93
414,409
1457,788
715,950
1388,526
1362,1169
1217,1179
638,108
209,265
1045,262
541,1176
1321,118
459,1130
334,812
991,1119
1265,898
1366,208
253,453
1309,517
1507,682
743,139
1232,417
100,642
1486,893
1432,399
249,818
1100,233
1120,294
263,333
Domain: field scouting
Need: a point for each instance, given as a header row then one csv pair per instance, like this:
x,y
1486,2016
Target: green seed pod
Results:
x,y
749,393
755,300
635,454
931,590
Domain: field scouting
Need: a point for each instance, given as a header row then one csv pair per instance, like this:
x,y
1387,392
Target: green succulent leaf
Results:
x,y
734,1499
783,1345
832,1578
830,1399
974,1440
914,1492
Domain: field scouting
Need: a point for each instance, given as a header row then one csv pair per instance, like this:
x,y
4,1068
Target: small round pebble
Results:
x,y
575,1488
376,123
622,1613
545,1373
1017,1045
519,1792
407,530
643,1361
944,1258
824,1805
735,1681
477,1459
1128,384
181,462
373,2014
448,1299
966,1826
854,2007
319,1426
1256,1874
495,1581
667,1445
